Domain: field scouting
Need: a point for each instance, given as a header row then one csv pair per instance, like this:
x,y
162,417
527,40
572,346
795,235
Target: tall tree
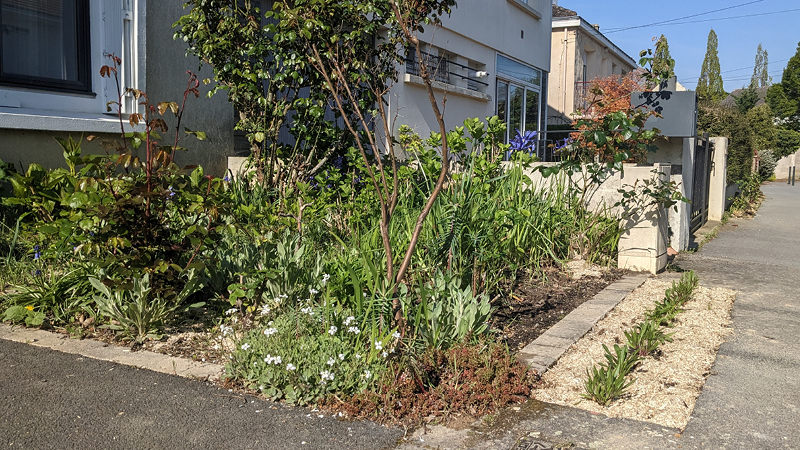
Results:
x,y
662,60
709,85
784,97
761,76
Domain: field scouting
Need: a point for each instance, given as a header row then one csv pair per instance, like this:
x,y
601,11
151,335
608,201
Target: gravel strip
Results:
x,y
668,384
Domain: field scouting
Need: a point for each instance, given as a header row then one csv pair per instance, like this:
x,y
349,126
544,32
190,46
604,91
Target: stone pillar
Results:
x,y
718,182
643,245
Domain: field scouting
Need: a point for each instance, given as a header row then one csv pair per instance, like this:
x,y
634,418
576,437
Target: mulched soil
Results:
x,y
537,302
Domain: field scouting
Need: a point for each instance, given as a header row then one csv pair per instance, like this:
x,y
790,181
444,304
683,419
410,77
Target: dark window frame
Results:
x,y
84,61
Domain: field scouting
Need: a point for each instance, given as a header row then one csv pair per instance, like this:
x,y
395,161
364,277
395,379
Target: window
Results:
x,y
518,96
44,44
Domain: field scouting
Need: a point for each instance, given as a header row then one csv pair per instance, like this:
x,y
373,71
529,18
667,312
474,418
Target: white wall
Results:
x,y
476,30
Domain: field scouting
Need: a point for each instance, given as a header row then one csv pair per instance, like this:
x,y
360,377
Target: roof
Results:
x,y
580,22
563,12
730,100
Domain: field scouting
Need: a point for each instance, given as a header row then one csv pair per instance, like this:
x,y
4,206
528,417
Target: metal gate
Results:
x,y
700,182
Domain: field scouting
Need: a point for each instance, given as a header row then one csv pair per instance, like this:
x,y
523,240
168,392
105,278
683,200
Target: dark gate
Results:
x,y
700,182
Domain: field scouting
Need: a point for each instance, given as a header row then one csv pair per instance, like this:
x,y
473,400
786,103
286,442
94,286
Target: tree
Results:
x,y
761,76
709,85
784,97
747,99
662,60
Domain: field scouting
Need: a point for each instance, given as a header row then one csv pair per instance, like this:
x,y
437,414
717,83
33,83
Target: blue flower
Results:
x,y
524,142
171,192
36,272
338,162
36,253
226,178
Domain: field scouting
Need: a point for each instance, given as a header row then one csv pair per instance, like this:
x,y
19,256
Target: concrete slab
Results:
x,y
143,359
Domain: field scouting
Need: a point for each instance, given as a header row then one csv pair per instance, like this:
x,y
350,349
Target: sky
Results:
x,y
739,30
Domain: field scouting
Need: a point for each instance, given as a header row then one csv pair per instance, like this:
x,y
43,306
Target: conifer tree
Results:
x,y
761,76
709,85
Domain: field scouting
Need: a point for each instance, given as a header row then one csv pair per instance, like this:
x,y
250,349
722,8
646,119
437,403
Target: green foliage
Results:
x,y
302,354
784,97
747,99
786,142
645,338
749,196
761,76
764,131
766,164
662,60
446,314
718,120
135,312
24,314
606,383
709,85
60,293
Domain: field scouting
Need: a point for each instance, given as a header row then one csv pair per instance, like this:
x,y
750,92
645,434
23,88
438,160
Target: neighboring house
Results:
x,y
488,58
50,84
579,54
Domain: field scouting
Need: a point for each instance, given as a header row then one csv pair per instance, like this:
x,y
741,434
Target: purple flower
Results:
x,y
37,254
226,179
338,162
524,142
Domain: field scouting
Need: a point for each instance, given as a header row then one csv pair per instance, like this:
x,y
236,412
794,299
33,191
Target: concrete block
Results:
x,y
547,340
570,329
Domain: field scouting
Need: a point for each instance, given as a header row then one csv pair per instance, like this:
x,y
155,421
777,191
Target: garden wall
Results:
x,y
782,169
643,245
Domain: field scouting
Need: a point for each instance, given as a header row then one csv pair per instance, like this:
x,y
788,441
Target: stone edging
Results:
x,y
143,359
543,353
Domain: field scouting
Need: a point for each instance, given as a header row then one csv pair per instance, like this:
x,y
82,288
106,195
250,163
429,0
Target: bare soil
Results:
x,y
535,303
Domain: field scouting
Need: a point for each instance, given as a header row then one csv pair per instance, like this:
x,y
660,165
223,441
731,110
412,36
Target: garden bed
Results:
x,y
666,385
536,303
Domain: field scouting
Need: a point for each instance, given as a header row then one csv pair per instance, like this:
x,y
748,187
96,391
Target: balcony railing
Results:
x,y
439,68
581,101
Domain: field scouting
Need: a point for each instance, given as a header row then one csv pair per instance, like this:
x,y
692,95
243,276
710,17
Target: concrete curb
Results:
x,y
143,359
543,353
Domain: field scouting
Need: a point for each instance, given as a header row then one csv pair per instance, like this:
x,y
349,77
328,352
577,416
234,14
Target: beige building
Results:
x,y
579,54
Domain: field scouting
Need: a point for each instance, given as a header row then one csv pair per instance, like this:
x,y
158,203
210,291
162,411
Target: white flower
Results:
x,y
385,354
333,330
325,278
265,310
226,330
367,374
341,356
349,320
378,345
231,311
313,291
307,310
353,330
270,331
358,355
331,361
245,346
277,360
396,335
391,350
325,375
290,367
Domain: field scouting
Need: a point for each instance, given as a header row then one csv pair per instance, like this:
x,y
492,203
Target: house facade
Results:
x,y
50,84
579,54
489,58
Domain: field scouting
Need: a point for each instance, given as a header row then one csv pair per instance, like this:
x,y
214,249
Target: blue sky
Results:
x,y
738,37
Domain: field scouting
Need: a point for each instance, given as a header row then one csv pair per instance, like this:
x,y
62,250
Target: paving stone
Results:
x,y
570,329
543,350
553,341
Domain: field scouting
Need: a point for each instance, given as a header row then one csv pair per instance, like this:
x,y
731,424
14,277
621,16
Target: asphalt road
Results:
x,y
54,400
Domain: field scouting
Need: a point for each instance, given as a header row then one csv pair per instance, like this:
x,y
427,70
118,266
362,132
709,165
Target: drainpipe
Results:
x,y
566,60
